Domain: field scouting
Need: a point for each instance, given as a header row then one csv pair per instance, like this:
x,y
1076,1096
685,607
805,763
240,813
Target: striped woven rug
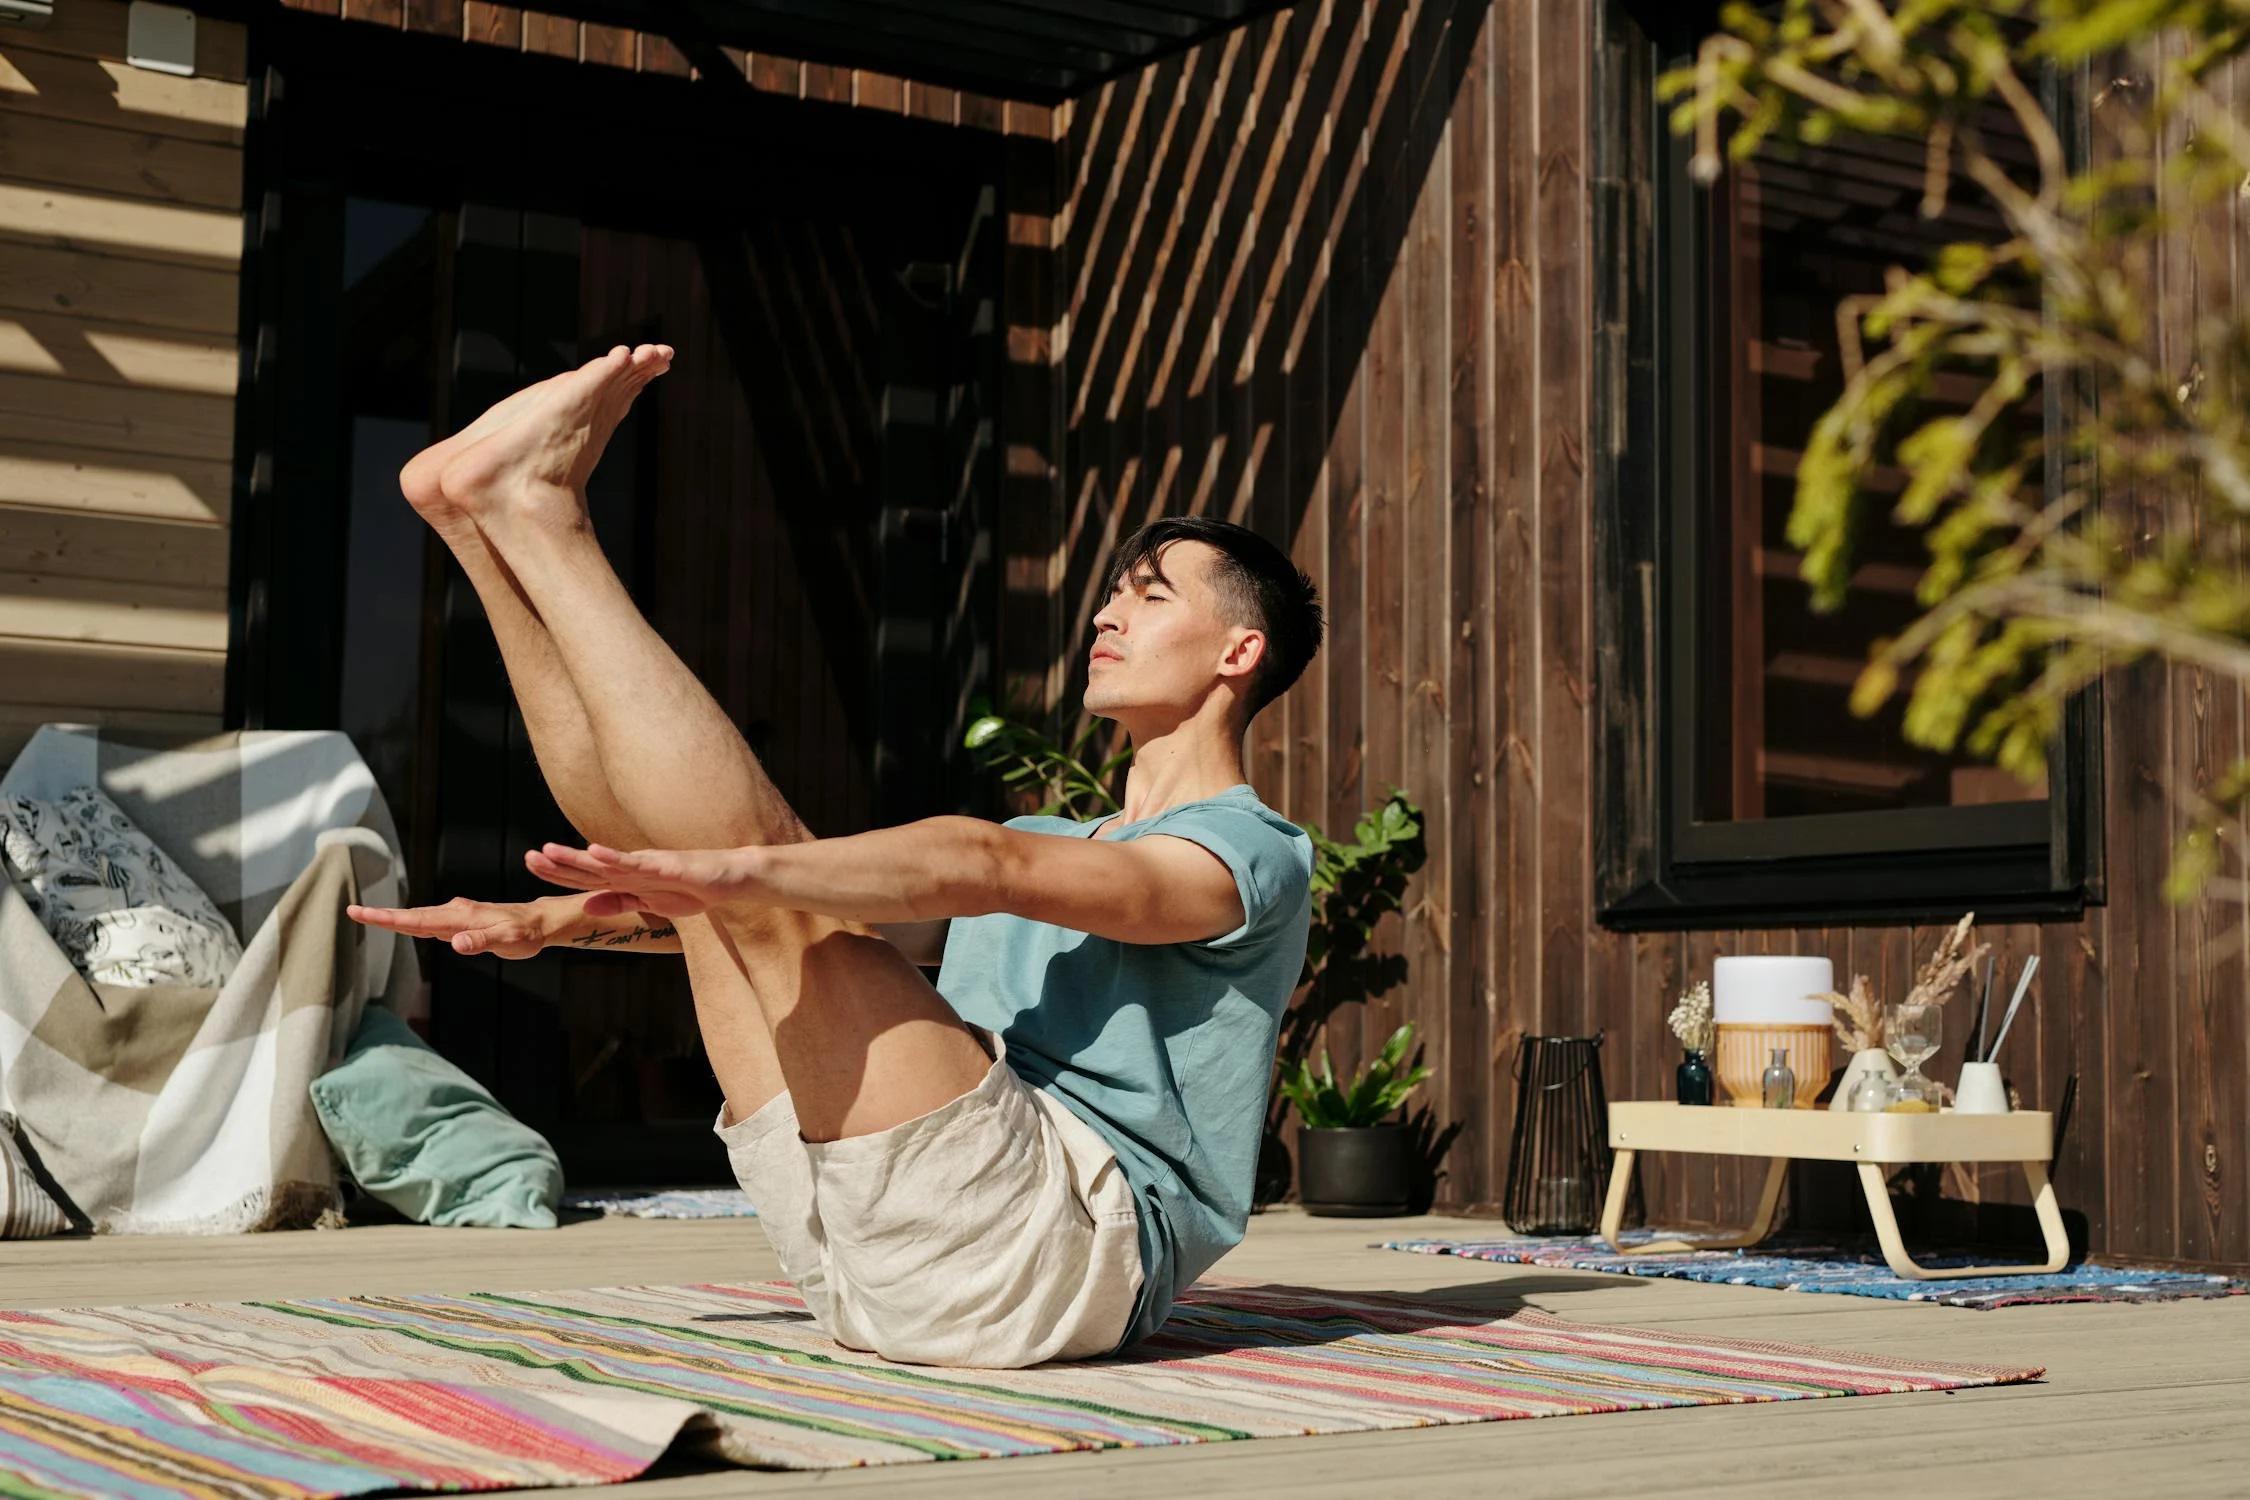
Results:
x,y
342,1396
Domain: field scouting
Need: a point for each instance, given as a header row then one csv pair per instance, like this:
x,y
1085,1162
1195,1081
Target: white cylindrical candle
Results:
x,y
1771,990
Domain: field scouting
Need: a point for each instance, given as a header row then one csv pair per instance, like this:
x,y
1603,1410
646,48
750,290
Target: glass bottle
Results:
x,y
1871,1093
1693,1080
1781,1084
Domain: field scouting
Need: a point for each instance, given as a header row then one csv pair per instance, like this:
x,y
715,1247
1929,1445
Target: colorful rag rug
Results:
x,y
1799,1265
342,1396
667,1203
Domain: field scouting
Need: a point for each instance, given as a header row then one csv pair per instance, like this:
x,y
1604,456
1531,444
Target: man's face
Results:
x,y
1162,643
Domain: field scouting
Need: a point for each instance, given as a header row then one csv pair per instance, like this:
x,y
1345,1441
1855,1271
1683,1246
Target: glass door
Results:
x,y
798,505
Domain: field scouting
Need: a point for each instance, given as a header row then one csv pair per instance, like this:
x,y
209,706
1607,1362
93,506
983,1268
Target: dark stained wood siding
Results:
x,y
1333,275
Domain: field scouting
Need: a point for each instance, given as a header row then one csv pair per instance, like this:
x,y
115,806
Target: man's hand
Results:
x,y
668,882
510,929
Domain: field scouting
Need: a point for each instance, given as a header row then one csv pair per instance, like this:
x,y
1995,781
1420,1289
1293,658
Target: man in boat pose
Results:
x,y
1030,1158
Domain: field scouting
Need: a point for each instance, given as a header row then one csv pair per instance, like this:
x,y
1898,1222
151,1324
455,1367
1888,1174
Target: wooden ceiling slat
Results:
x,y
899,23
1036,50
1037,22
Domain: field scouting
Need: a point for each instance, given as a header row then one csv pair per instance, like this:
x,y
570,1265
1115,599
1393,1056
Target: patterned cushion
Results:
x,y
26,1212
121,911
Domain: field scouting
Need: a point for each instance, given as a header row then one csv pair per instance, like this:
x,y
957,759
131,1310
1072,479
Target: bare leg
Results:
x,y
863,1040
560,736
736,1041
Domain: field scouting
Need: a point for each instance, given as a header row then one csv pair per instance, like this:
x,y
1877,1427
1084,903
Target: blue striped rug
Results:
x,y
1801,1265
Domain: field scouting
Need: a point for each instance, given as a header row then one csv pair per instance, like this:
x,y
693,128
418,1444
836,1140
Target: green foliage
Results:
x,y
1027,757
1355,884
2051,561
1379,1089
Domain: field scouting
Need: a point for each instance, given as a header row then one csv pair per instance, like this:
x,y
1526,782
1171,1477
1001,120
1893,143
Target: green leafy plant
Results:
x,y
1028,758
1379,1089
1355,884
2057,552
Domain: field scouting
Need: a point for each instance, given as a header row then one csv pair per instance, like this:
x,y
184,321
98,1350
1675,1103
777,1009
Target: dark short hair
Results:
x,y
1258,586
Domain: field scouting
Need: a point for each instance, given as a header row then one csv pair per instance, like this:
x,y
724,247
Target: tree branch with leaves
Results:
x,y
2057,551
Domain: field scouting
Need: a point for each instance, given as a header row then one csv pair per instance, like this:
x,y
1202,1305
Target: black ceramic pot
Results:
x,y
1362,1172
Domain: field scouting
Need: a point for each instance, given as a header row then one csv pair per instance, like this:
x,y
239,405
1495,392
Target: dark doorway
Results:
x,y
799,506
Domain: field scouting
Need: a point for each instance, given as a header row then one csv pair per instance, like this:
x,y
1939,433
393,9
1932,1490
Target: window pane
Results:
x,y
1790,237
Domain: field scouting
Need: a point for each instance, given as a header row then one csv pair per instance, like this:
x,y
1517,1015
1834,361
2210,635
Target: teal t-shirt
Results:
x,y
1165,1049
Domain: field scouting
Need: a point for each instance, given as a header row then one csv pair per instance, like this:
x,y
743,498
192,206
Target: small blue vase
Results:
x,y
1694,1079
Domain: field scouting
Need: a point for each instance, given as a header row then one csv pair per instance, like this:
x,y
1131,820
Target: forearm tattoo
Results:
x,y
624,937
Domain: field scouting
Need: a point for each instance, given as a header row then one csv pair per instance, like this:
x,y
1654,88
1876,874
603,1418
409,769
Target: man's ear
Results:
x,y
1243,655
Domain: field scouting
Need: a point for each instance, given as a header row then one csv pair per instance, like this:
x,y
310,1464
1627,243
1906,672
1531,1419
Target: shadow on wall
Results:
x,y
1232,218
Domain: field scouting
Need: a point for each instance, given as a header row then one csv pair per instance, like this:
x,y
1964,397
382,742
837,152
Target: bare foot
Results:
x,y
418,481
536,461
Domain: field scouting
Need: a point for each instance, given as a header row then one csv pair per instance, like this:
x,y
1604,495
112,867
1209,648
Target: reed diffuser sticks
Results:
x,y
2023,987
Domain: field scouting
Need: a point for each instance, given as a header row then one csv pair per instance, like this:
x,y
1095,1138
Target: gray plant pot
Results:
x,y
1364,1172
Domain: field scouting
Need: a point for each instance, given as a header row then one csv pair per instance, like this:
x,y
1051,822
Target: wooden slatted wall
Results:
x,y
1332,275
120,242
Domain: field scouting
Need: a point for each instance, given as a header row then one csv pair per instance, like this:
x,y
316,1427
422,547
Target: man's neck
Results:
x,y
1182,765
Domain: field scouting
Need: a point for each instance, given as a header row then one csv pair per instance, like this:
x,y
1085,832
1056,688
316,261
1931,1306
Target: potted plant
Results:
x,y
1355,885
1353,1161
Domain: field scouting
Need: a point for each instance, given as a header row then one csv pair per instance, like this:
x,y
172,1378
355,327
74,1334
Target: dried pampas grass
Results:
x,y
1954,961
1858,1016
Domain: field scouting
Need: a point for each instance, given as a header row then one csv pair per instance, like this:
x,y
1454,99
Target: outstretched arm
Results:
x,y
519,929
1156,889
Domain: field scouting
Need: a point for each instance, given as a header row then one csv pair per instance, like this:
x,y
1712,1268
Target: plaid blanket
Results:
x,y
166,1109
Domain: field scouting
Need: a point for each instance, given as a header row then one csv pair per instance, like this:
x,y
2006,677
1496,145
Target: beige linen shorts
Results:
x,y
994,1232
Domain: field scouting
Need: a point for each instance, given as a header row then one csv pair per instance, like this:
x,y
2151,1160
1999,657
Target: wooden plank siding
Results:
x,y
1396,214
120,248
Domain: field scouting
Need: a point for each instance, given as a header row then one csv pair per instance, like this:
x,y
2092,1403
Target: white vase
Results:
x,y
1865,1061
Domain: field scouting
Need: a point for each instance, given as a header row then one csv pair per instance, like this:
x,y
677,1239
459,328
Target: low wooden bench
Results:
x,y
1872,1141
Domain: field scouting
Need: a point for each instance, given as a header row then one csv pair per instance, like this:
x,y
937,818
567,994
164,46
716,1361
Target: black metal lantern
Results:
x,y
1558,1155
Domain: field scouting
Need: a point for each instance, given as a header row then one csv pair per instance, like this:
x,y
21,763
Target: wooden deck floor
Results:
x,y
2138,1399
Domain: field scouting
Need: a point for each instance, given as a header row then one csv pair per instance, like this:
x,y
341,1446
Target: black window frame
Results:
x,y
1657,866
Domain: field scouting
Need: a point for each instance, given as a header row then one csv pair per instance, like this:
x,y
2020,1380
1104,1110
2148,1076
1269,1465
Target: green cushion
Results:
x,y
424,1137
